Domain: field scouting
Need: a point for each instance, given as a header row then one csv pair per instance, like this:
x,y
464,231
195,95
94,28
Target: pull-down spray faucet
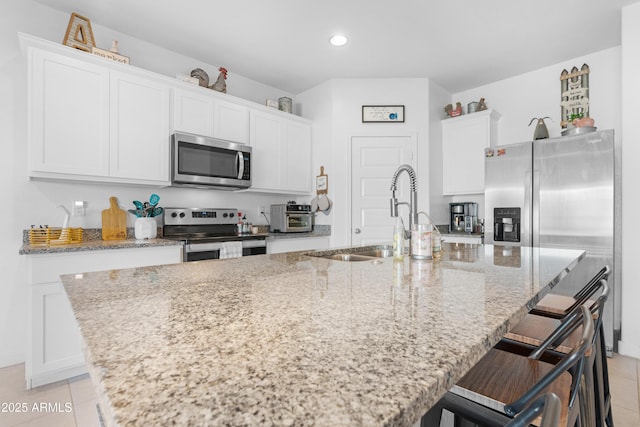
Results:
x,y
413,203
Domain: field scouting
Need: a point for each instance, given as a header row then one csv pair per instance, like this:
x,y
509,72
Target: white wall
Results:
x,y
26,202
317,105
537,94
439,204
630,340
336,109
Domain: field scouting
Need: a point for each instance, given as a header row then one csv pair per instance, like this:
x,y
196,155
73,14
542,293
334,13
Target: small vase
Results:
x,y
146,228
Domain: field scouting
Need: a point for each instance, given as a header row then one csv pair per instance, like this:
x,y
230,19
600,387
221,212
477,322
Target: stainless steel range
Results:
x,y
210,233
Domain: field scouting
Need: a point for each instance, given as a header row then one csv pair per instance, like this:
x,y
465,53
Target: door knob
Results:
x,y
357,231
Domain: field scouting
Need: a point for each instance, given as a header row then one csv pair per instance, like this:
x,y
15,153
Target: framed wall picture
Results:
x,y
382,113
79,33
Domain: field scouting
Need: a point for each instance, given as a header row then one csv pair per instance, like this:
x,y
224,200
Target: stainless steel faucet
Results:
x,y
413,202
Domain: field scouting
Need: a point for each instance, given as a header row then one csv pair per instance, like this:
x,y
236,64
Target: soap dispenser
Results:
x,y
398,238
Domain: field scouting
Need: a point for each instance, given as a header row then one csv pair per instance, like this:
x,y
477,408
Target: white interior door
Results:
x,y
374,159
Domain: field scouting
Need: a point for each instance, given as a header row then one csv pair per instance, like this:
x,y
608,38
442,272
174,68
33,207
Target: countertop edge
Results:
x,y
96,245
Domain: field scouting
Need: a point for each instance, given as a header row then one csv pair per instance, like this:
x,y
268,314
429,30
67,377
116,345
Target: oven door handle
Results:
x,y
203,247
240,164
254,243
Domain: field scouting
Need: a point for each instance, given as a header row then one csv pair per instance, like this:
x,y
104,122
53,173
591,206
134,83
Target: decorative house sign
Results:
x,y
79,33
382,113
574,94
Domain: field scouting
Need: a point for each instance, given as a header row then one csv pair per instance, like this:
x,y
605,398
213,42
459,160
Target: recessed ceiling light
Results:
x,y
338,40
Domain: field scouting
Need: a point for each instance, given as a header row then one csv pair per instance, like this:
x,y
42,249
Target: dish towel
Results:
x,y
231,250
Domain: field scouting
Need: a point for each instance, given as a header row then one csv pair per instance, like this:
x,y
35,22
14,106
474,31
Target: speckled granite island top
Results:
x,y
290,339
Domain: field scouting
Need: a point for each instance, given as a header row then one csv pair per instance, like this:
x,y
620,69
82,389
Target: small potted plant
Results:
x,y
146,226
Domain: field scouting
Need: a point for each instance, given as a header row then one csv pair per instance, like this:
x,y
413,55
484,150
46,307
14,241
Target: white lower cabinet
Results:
x,y
54,344
297,244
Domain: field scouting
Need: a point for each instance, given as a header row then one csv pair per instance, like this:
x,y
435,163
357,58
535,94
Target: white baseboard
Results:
x,y
11,359
628,349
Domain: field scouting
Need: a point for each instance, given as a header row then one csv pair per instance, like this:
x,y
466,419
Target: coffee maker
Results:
x,y
463,217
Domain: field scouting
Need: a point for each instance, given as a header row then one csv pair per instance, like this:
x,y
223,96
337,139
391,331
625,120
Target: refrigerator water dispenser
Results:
x,y
506,224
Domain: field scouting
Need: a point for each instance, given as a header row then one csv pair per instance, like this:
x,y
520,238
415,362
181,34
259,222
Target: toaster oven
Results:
x,y
291,218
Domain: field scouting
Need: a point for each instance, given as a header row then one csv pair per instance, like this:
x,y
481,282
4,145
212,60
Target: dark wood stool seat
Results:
x,y
558,306
500,377
533,330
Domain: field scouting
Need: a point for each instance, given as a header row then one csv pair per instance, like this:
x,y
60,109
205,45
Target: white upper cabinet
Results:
x,y
267,157
231,121
464,139
139,135
201,112
298,152
90,121
281,157
69,116
94,120
193,112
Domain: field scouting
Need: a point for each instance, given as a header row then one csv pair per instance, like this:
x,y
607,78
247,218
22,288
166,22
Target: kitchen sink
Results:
x,y
384,252
363,253
349,257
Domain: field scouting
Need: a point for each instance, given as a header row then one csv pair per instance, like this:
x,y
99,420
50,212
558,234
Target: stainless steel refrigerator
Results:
x,y
560,193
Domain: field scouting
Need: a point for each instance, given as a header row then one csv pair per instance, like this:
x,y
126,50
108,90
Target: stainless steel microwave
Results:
x,y
204,162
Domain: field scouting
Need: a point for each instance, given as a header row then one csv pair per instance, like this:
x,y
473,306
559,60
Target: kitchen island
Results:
x,y
292,339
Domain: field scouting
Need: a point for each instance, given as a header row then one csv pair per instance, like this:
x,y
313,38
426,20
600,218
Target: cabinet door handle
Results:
x,y
357,231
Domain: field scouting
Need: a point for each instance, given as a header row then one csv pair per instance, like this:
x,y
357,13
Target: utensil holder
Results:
x,y
145,228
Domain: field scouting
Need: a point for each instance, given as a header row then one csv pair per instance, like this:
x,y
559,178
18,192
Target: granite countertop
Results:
x,y
93,241
290,339
318,231
444,231
95,245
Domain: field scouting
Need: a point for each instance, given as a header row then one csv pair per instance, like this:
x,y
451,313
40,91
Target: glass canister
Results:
x,y
285,104
436,244
421,241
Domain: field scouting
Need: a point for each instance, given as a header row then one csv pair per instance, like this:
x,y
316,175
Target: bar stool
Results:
x,y
548,405
534,327
503,384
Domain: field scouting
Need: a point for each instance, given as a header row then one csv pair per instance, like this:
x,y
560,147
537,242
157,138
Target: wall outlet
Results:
x,y
79,208
261,210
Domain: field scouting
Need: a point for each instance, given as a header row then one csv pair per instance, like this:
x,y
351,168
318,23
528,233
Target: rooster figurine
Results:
x,y
451,112
220,85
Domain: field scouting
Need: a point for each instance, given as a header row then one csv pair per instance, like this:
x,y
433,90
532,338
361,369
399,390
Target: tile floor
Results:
x,y
72,403
67,403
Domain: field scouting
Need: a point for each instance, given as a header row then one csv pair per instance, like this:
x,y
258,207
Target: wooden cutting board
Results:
x,y
114,222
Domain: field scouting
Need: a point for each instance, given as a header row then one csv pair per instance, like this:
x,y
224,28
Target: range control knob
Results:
x,y
181,214
224,215
231,215
174,214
